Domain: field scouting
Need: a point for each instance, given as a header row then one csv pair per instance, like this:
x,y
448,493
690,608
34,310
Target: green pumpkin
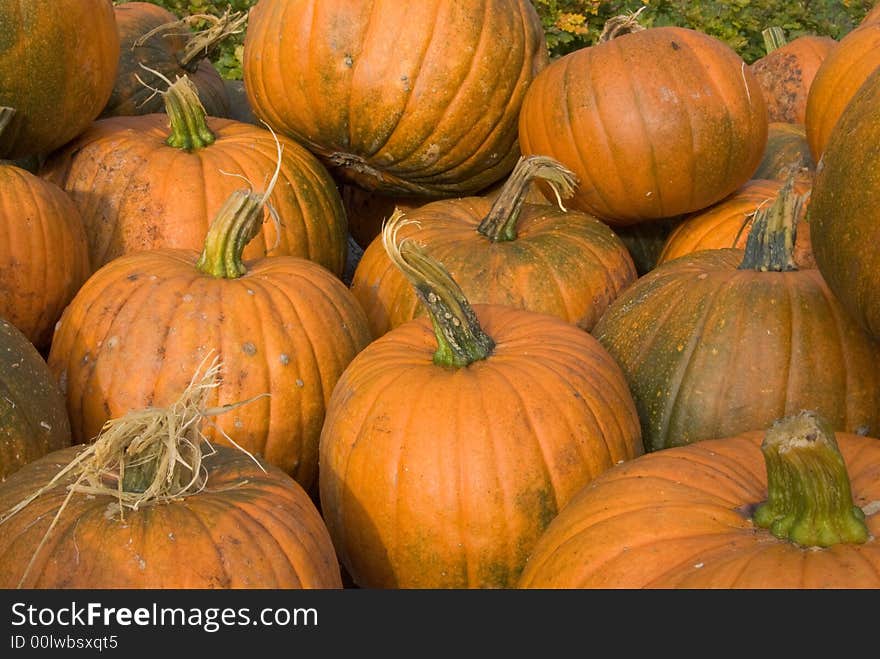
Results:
x,y
844,211
33,416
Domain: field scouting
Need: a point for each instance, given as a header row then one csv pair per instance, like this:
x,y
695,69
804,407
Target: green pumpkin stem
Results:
x,y
770,245
187,116
235,225
500,223
774,37
809,497
460,339
237,222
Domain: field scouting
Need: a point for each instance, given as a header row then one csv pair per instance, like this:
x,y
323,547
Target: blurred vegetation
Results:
x,y
573,24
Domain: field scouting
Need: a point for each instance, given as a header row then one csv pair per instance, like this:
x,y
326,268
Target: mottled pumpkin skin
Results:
x,y
249,528
161,53
838,79
33,417
655,123
728,223
444,478
58,62
787,153
141,326
845,208
785,76
567,264
119,174
681,518
710,350
44,256
400,96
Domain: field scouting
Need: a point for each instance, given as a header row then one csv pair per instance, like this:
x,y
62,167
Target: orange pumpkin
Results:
x,y
729,222
151,505
450,443
284,326
140,184
504,251
415,97
44,256
836,82
794,507
655,123
786,73
153,39
58,62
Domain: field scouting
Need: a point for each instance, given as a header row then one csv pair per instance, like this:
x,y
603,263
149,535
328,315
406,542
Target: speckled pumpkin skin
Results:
x,y
249,528
845,208
567,264
681,518
433,477
710,350
401,96
785,76
135,192
655,123
839,77
141,326
161,53
58,62
33,417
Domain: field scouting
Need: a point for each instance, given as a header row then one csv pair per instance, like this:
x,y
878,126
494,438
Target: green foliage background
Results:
x,y
573,24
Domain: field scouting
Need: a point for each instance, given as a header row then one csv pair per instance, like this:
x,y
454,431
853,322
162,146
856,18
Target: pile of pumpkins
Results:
x,y
479,319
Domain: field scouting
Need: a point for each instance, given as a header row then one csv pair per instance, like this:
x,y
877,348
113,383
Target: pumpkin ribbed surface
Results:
x,y
698,337
140,326
445,477
654,123
402,96
135,192
568,264
44,256
838,79
249,528
681,518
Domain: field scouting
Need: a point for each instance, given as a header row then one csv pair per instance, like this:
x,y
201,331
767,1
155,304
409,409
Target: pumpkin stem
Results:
x,y
200,44
204,41
500,223
460,339
187,116
237,222
770,245
809,497
235,225
774,37
619,25
6,114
